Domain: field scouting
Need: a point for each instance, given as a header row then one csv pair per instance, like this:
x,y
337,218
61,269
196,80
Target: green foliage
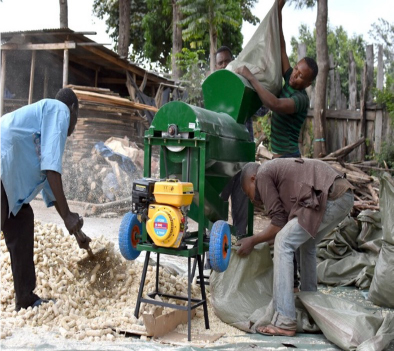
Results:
x,y
202,17
193,64
383,34
264,122
151,27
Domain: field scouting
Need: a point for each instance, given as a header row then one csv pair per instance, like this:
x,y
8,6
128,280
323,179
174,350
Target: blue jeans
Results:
x,y
290,238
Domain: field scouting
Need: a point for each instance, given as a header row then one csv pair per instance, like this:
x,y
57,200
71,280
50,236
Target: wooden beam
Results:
x,y
30,46
65,67
32,69
2,81
120,81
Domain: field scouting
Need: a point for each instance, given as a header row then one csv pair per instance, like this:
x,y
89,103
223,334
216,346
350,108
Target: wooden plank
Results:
x,y
2,81
345,114
370,69
338,93
363,115
379,114
90,96
352,82
49,46
31,83
331,74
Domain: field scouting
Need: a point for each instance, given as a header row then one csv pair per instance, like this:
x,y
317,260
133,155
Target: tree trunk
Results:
x,y
63,14
176,39
213,38
319,149
124,28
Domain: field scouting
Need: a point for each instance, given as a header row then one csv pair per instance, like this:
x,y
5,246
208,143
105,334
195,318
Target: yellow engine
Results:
x,y
167,216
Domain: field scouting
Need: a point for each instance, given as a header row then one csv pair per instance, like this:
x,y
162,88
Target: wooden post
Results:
x,y
32,69
65,67
2,81
352,82
331,73
379,113
46,80
338,93
363,112
370,68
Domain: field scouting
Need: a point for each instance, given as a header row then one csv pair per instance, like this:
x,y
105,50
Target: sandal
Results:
x,y
275,331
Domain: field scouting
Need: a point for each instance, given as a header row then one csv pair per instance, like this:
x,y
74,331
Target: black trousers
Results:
x,y
19,237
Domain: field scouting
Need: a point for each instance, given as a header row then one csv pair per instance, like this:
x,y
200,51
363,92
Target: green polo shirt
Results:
x,y
285,129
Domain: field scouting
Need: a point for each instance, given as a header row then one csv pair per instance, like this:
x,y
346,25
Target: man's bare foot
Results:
x,y
274,331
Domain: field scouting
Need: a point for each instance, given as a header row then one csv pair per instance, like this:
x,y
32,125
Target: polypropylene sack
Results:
x,y
386,205
262,54
382,286
244,287
347,324
242,295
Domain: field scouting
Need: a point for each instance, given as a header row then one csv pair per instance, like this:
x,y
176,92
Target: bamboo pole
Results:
x,y
65,67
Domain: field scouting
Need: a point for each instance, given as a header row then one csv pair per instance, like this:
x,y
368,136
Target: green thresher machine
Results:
x,y
201,149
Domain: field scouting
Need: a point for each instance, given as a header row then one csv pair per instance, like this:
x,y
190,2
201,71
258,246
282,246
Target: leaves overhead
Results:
x,y
151,26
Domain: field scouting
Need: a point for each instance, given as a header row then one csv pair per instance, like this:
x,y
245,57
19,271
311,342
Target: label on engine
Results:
x,y
160,225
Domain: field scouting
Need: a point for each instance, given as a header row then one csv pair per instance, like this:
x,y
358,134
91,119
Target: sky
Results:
x,y
355,16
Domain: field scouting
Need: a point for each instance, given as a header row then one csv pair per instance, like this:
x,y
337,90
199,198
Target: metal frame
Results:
x,y
191,302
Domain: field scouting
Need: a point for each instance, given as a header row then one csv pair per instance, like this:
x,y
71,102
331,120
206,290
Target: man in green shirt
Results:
x,y
290,108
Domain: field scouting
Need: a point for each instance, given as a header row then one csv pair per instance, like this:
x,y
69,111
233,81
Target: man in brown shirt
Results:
x,y
305,200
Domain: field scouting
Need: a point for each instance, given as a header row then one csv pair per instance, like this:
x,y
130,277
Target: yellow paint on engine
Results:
x,y
173,192
165,225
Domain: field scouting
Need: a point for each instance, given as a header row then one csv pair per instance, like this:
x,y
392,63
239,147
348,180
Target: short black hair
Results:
x,y
313,66
224,48
247,171
67,96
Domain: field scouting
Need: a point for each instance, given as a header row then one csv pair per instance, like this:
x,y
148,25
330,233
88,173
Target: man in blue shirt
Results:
x,y
33,139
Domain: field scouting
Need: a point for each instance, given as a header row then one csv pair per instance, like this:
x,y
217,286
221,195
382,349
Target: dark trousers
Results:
x,y
19,237
239,207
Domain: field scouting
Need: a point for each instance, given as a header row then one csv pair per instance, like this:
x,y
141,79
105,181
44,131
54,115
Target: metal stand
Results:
x,y
192,303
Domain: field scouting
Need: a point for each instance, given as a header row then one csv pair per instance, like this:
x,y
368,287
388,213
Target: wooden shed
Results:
x,y
36,64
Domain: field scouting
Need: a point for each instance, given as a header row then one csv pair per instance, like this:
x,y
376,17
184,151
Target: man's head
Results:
x,y
223,57
68,97
304,73
248,177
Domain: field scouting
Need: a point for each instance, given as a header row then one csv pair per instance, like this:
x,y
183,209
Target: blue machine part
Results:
x,y
130,227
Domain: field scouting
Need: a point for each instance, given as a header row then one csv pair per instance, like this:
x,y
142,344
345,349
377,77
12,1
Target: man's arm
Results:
x,y
284,57
268,99
71,220
267,235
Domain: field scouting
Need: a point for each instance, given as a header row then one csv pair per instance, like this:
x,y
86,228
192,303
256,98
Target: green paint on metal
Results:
x,y
230,93
196,120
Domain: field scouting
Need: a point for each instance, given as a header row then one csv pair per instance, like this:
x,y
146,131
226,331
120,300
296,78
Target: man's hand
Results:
x,y
245,72
73,222
246,246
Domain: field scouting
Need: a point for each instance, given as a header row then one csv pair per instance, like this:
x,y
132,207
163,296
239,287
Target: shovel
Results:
x,y
83,243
